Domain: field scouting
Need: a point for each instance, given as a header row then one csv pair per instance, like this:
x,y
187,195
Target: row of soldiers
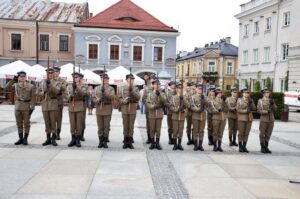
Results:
x,y
193,106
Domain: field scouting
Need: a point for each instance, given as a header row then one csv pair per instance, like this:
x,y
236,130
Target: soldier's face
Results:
x,y
156,86
212,93
146,77
234,93
56,73
130,81
173,86
76,78
267,94
219,94
50,75
199,90
22,78
246,94
105,80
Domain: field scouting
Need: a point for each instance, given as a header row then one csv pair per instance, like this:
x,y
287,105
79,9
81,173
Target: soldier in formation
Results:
x,y
232,116
170,92
189,92
210,97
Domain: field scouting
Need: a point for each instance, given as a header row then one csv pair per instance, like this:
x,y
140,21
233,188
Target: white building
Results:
x,y
269,34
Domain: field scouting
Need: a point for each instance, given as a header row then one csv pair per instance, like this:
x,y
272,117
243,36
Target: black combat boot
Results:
x,y
210,140
195,145
21,139
170,139
53,140
267,147
245,147
125,145
78,144
230,141
179,145
73,141
105,142
215,146
157,145
48,140
200,147
234,140
190,141
82,136
58,134
152,146
149,139
241,148
100,145
25,142
175,144
130,143
263,148
220,146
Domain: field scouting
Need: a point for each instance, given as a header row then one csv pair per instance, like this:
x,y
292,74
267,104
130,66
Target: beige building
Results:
x,y
38,30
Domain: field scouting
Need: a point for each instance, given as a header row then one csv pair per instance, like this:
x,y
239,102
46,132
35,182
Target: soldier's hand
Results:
x,y
180,109
130,100
270,111
130,89
30,111
202,97
248,110
103,89
74,85
181,97
272,102
157,92
250,101
16,78
48,82
220,110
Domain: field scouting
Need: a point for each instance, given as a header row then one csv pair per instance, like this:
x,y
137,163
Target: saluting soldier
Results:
x,y
232,116
265,107
155,103
170,93
178,105
245,106
198,105
217,107
81,82
129,98
211,96
148,83
49,89
103,97
24,105
189,92
60,99
76,93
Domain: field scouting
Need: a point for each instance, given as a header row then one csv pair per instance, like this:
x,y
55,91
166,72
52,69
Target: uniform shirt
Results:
x,y
124,95
169,95
155,104
198,105
231,105
175,104
104,100
242,107
188,95
76,98
49,95
24,92
217,107
63,87
209,99
263,106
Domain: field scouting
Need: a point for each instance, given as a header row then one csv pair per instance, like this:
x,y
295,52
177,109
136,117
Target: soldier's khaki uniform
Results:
x,y
147,90
170,93
155,105
76,108
209,121
245,118
232,119
60,100
128,108
217,107
189,129
104,108
25,101
267,119
85,87
50,104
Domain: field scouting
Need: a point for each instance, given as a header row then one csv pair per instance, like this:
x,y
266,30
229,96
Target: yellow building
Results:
x,y
216,63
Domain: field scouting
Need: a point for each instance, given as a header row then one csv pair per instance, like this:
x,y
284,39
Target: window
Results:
x,y
255,56
158,51
268,23
267,54
93,51
195,69
114,52
211,66
245,57
246,30
188,70
286,18
16,41
285,51
63,43
137,53
229,68
256,27
282,85
44,42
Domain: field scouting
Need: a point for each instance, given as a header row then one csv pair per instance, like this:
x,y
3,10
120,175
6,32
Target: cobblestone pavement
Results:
x,y
34,171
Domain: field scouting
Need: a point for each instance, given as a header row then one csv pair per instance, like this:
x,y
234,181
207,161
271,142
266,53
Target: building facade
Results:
x,y
268,30
125,34
33,30
216,63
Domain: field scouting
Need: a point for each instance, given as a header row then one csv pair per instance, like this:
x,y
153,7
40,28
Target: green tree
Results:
x,y
269,83
286,81
257,87
236,85
246,84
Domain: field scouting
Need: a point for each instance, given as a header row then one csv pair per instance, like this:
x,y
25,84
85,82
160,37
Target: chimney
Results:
x,y
228,40
206,45
91,14
211,43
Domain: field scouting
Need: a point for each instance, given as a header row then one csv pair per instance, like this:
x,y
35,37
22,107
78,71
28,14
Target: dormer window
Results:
x,y
128,19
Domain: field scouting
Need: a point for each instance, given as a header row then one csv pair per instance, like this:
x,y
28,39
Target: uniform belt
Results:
x,y
132,102
23,100
53,97
107,103
60,94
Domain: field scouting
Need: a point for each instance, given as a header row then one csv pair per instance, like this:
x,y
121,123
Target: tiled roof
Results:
x,y
126,15
43,10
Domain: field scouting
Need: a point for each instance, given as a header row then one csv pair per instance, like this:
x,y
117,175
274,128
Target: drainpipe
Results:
x,y
276,41
37,41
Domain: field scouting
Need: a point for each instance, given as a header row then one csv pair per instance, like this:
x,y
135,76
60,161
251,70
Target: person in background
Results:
x,y
90,103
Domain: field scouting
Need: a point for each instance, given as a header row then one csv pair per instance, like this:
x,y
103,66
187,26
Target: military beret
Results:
x,y
233,89
199,86
189,84
75,74
245,90
21,73
179,85
152,76
56,69
265,90
171,83
104,76
130,76
50,70
212,87
146,73
80,75
218,90
156,81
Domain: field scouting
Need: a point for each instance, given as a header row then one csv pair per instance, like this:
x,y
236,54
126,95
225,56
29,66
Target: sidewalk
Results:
x,y
37,172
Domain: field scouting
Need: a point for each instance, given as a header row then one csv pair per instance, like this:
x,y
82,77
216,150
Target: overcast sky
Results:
x,y
199,21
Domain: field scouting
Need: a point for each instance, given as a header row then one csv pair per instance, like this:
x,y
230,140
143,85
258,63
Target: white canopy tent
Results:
x,y
91,77
39,71
117,76
8,71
